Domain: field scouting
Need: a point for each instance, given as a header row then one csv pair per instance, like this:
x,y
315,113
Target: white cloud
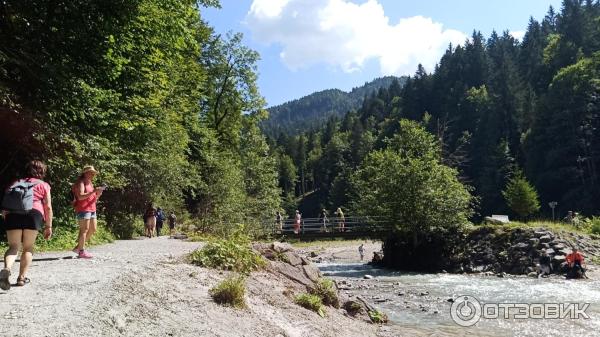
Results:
x,y
518,34
346,35
267,8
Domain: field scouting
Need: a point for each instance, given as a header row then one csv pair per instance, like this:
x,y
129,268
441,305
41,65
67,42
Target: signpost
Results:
x,y
552,205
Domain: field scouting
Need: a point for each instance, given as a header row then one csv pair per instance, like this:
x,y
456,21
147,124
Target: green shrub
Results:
x,y
594,223
310,302
65,233
352,308
326,290
233,253
230,291
521,196
377,316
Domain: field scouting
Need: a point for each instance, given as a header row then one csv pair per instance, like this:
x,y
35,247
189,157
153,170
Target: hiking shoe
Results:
x,y
84,255
4,283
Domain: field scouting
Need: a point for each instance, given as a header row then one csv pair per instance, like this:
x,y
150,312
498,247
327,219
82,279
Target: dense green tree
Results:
x,y
260,173
288,175
408,185
145,91
520,196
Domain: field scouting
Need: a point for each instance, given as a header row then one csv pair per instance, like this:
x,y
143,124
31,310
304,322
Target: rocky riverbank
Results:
x,y
517,250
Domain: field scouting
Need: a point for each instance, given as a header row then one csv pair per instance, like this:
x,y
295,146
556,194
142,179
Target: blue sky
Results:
x,y
311,45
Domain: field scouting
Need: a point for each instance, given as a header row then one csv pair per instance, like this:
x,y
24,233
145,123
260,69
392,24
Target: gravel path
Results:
x,y
68,296
146,288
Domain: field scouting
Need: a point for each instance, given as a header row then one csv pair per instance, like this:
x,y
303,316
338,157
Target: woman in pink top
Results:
x,y
86,197
22,229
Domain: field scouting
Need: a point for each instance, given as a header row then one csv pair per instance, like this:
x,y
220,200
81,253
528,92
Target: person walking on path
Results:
x,y
172,221
150,220
341,219
160,219
297,222
26,206
86,198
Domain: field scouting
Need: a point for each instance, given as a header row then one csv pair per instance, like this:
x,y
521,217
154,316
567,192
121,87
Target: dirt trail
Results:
x,y
145,288
68,296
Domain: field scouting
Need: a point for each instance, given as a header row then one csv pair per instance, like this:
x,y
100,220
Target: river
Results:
x,y
424,301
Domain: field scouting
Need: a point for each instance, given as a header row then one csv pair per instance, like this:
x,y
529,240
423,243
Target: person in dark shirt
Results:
x,y
545,265
160,219
172,223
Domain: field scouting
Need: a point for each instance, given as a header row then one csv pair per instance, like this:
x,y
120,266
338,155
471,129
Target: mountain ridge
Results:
x,y
304,113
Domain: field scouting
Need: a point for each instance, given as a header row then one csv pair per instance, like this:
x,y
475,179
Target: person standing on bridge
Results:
x,y
297,222
324,220
279,221
26,206
341,219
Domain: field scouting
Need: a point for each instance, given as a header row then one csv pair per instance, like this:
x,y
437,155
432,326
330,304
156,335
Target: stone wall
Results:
x,y
517,250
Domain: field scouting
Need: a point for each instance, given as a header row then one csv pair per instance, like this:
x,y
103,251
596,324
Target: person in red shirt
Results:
x,y
575,264
86,198
22,228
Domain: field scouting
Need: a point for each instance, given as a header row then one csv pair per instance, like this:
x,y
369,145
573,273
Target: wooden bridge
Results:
x,y
314,228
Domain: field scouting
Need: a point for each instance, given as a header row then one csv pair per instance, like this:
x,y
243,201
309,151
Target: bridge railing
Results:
x,y
359,224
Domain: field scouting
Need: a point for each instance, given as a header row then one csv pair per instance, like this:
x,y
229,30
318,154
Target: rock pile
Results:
x,y
517,250
285,261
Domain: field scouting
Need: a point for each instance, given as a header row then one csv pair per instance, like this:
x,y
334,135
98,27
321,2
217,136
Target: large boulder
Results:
x,y
557,260
312,272
291,272
281,247
292,258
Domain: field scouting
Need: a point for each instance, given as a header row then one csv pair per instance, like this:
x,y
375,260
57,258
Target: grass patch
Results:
x,y
281,256
353,308
231,292
64,237
311,302
233,253
325,290
378,317
594,225
553,226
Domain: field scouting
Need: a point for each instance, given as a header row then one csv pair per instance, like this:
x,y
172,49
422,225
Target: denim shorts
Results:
x,y
86,215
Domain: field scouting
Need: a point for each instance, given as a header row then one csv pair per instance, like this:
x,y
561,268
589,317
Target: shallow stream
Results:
x,y
425,300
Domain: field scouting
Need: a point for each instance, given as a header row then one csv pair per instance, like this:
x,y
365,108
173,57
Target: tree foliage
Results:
x,y
520,196
145,91
408,185
495,105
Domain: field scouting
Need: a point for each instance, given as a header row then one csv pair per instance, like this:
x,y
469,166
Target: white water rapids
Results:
x,y
421,300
